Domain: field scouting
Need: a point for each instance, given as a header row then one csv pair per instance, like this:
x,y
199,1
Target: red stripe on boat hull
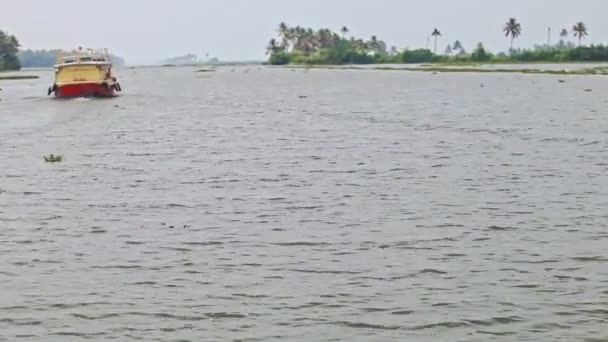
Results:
x,y
84,90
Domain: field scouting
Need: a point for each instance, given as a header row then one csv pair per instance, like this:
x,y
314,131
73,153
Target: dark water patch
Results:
x,y
528,286
402,312
300,270
441,304
136,243
599,312
244,295
20,322
496,321
498,228
375,310
302,244
79,305
441,325
536,262
203,243
359,325
118,267
548,327
455,255
143,283
590,259
431,271
177,249
178,205
496,333
77,334
187,318
94,318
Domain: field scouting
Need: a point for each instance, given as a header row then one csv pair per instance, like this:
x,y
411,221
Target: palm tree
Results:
x,y
457,46
284,31
564,33
344,31
513,29
448,50
436,33
373,44
580,31
272,47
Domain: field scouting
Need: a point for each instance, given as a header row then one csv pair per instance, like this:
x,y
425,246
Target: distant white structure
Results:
x,y
183,60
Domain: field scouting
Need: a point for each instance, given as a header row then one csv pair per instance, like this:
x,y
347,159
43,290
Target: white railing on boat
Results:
x,y
83,56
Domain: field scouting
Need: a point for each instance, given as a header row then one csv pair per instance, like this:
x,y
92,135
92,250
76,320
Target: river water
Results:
x,y
258,204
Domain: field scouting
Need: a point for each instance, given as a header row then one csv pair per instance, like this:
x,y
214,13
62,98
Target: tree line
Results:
x,y
9,48
300,45
11,58
47,58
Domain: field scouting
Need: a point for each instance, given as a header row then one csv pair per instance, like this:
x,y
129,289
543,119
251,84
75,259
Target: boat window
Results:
x,y
68,61
86,59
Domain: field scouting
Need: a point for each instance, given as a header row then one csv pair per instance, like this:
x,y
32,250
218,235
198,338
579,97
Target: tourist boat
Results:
x,y
84,73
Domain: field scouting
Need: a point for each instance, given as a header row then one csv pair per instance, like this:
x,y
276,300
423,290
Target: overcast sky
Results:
x,y
145,31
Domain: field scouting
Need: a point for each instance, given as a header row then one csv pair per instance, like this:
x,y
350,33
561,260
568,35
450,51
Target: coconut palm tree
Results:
x,y
373,44
284,31
272,47
580,31
457,46
563,33
436,33
448,50
513,29
344,31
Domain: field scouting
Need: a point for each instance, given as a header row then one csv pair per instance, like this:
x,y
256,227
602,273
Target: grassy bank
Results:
x,y
601,71
18,77
589,71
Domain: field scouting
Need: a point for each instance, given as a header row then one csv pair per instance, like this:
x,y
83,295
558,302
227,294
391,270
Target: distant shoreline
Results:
x,y
17,77
471,68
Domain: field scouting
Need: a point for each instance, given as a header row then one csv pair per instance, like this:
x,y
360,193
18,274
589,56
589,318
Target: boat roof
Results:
x,y
83,56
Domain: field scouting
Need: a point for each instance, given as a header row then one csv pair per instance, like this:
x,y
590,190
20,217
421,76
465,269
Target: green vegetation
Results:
x,y
298,45
18,77
603,71
589,71
53,158
46,59
9,47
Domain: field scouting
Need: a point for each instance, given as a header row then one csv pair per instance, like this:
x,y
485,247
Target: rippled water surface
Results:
x,y
257,204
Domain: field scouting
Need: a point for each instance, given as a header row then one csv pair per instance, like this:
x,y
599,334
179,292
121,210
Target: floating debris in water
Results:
x,y
561,81
303,96
588,90
53,158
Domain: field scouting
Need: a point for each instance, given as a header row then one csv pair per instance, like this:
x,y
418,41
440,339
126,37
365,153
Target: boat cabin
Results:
x,y
83,66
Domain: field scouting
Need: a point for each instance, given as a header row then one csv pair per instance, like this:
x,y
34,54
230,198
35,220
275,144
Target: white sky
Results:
x,y
145,31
